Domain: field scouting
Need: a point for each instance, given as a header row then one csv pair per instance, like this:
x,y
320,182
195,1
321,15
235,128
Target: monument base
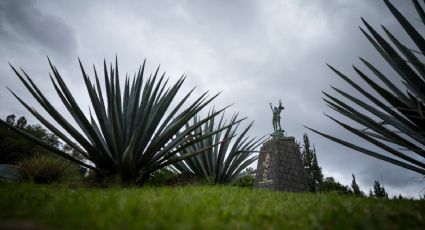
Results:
x,y
280,166
277,134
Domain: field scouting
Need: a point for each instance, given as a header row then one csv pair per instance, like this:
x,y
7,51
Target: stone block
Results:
x,y
280,166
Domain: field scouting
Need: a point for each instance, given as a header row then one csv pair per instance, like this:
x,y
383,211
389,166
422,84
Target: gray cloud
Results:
x,y
255,52
22,23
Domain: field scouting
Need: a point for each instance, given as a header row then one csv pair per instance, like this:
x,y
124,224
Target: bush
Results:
x,y
331,185
162,177
245,181
46,168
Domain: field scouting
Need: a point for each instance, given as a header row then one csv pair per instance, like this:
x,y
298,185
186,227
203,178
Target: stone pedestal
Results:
x,y
280,166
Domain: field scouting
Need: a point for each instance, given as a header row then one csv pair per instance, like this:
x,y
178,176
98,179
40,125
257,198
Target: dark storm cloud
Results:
x,y
21,22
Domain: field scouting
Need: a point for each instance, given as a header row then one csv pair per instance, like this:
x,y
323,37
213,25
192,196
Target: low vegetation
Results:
x,y
48,168
199,207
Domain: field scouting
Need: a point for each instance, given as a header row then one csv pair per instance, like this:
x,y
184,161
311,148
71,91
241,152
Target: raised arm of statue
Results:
x,y
281,106
271,107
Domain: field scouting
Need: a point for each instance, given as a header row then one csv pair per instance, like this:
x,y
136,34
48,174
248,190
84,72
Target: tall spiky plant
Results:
x,y
132,132
398,121
223,163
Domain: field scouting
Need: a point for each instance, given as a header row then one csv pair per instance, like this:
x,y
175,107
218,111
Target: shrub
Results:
x,y
245,181
47,168
331,185
162,177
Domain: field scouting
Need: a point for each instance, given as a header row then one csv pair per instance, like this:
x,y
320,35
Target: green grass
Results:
x,y
199,207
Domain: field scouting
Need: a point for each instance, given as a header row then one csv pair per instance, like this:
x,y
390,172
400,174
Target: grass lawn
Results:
x,y
198,207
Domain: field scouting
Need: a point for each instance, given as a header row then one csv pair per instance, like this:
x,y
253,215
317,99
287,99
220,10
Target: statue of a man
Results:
x,y
276,115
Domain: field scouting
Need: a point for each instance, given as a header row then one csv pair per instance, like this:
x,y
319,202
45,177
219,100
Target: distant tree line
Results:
x,y
319,183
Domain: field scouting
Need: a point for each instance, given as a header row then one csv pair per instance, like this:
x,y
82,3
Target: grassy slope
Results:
x,y
196,207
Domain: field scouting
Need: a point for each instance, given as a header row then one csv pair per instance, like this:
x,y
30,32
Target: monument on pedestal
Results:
x,y
280,166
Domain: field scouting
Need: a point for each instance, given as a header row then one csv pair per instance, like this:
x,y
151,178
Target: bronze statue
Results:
x,y
276,116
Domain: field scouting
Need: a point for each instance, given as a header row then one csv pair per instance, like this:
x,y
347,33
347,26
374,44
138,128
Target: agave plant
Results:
x,y
398,122
133,131
224,162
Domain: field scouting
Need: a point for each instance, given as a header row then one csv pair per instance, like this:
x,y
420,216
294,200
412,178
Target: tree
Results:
x,y
355,187
311,166
395,118
317,170
14,147
21,122
250,171
330,184
379,191
399,197
11,119
43,134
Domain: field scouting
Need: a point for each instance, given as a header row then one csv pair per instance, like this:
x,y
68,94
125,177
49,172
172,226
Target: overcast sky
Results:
x,y
254,52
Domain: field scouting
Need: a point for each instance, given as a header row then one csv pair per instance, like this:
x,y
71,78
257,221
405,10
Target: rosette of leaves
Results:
x,y
229,156
131,131
395,119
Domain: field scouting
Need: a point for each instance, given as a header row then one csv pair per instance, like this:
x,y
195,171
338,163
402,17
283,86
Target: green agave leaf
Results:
x,y
73,107
204,136
168,134
388,96
51,127
420,10
407,53
395,121
368,122
415,83
374,135
54,113
187,155
371,153
236,174
388,83
410,30
396,103
379,144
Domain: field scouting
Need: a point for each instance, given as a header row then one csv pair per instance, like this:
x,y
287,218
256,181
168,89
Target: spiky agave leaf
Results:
x,y
398,120
133,130
225,161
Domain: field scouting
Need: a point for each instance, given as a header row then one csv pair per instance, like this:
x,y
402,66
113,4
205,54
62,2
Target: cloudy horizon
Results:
x,y
253,52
